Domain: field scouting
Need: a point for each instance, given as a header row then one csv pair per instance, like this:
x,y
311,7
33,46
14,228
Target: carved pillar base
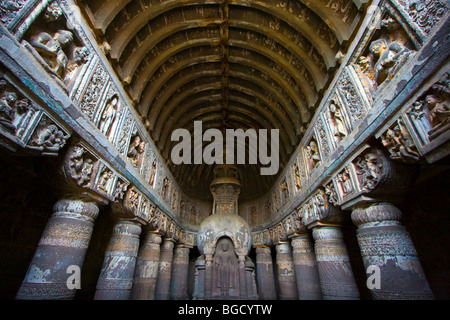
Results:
x,y
165,270
386,244
265,278
180,269
147,266
116,278
306,272
63,243
336,274
286,272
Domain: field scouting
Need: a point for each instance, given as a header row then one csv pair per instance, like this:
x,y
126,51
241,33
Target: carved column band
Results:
x,y
265,278
147,266
116,278
286,272
180,269
306,272
385,243
63,244
336,274
165,270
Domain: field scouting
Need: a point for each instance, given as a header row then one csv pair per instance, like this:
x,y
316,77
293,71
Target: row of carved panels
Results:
x,y
89,85
386,47
79,71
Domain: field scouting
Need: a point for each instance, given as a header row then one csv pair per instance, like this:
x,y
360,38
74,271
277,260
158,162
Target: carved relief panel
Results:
x,y
312,155
58,49
27,124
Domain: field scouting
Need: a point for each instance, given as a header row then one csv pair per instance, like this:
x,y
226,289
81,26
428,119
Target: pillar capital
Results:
x,y
378,212
76,209
328,232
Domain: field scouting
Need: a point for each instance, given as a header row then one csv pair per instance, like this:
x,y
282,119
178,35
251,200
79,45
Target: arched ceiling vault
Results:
x,y
260,64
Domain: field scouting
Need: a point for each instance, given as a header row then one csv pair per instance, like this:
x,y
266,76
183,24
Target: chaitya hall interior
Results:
x,y
355,96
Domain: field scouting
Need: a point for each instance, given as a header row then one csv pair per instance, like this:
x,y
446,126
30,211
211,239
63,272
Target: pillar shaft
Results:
x,y
336,274
147,265
265,278
386,244
242,279
63,245
306,271
164,270
116,278
180,270
208,276
286,272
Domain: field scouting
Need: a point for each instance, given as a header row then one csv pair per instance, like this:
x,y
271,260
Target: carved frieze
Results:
x,y
400,143
57,48
370,169
315,209
81,165
9,9
425,14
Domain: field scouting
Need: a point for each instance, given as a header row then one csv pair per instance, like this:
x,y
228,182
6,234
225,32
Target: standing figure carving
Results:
x,y
225,273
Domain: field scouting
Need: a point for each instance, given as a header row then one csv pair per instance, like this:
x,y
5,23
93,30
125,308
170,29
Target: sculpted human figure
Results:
x,y
136,148
312,152
391,57
108,116
51,139
7,109
225,268
51,49
439,114
338,122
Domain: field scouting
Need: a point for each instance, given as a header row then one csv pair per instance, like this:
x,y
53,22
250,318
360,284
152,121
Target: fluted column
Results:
x,y
116,278
164,270
286,272
385,243
336,274
147,265
265,278
60,252
306,271
180,270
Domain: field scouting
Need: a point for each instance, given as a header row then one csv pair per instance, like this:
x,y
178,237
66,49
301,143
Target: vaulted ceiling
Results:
x,y
228,63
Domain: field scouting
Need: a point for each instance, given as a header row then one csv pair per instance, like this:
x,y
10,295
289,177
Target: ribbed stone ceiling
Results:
x,y
228,63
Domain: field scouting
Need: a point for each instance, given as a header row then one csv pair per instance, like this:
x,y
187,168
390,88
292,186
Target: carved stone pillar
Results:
x,y
180,270
116,278
208,276
199,279
242,278
147,266
252,292
165,270
385,243
265,277
306,271
336,274
286,272
63,244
